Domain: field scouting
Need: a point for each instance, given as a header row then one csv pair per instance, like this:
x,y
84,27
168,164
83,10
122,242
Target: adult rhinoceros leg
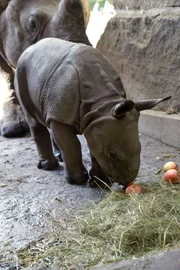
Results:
x,y
66,139
12,121
97,176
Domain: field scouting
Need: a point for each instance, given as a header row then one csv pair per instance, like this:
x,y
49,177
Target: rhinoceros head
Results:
x,y
23,23
114,140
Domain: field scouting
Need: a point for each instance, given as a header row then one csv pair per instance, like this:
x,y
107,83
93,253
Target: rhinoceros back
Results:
x,y
47,75
63,77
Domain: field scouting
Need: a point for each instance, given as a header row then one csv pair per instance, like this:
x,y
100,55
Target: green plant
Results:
x,y
101,2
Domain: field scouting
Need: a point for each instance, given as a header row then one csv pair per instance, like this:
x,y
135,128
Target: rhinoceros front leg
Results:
x,y
66,139
97,176
12,120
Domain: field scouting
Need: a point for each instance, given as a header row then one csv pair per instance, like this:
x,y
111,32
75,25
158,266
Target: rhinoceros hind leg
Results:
x,y
47,165
41,136
97,176
58,155
66,140
56,150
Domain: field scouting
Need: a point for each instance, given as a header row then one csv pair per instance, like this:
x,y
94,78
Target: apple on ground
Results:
x,y
172,176
170,165
134,188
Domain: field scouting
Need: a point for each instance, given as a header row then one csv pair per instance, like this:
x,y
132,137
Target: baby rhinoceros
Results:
x,y
71,89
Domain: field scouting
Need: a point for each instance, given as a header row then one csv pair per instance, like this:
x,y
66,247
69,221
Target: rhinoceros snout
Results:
x,y
124,177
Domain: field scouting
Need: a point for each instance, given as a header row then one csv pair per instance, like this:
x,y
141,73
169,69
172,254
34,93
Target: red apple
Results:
x,y
170,165
172,176
134,188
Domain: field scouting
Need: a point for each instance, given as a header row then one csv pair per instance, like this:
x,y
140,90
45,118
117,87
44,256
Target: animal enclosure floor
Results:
x,y
30,199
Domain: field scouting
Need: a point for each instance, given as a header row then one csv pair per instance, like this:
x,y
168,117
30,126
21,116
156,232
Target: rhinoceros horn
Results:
x,y
120,109
3,4
148,104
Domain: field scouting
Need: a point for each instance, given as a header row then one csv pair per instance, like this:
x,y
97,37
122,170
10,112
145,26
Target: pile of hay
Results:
x,y
116,228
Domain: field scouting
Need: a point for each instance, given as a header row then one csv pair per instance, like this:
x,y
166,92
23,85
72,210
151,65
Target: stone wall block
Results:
x,y
144,4
145,49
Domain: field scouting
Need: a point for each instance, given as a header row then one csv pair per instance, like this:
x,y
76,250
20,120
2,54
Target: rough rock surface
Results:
x,y
144,46
144,4
160,261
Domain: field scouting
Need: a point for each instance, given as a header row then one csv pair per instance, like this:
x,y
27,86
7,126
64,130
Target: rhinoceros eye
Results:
x,y
32,24
112,155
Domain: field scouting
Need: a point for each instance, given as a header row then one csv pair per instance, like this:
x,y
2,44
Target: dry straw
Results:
x,y
116,228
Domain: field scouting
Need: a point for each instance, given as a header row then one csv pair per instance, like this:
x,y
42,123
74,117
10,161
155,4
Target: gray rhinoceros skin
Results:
x,y
23,23
73,89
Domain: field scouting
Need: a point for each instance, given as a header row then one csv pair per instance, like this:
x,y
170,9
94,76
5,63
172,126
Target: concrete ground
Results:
x,y
30,198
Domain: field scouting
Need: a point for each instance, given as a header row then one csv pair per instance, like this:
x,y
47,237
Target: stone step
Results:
x,y
161,126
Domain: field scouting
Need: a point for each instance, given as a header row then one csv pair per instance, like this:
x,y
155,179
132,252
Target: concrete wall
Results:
x,y
144,4
143,43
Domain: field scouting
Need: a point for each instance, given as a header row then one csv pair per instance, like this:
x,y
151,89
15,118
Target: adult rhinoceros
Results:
x,y
23,23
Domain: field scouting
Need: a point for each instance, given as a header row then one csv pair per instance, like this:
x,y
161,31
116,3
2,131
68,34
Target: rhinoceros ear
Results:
x,y
3,5
72,14
74,8
120,109
148,104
